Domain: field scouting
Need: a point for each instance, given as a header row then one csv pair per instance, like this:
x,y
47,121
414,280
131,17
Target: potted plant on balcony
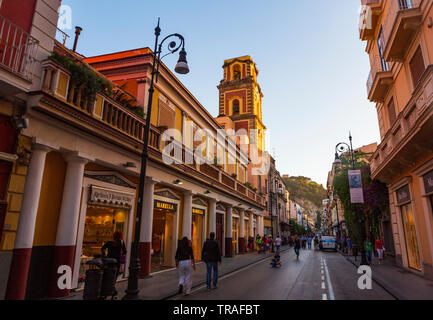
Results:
x,y
234,175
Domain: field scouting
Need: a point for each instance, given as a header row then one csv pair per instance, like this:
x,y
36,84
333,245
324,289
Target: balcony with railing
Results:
x,y
17,50
105,111
369,18
410,135
403,20
379,80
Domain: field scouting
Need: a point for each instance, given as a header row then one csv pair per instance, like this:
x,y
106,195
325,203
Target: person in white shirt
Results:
x,y
278,243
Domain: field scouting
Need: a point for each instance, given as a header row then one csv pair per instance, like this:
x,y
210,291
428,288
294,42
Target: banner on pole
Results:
x,y
355,185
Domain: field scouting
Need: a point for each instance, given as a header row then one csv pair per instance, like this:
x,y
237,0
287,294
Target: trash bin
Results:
x,y
93,282
108,286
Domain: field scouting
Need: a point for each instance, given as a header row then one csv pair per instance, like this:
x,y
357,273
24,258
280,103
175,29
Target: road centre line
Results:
x,y
331,290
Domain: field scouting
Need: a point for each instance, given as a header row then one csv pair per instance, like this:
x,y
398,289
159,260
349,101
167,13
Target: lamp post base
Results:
x,y
133,291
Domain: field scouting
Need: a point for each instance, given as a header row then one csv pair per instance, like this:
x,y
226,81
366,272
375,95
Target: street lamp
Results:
x,y
182,68
341,148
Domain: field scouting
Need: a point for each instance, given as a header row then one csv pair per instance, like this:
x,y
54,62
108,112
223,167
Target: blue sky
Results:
x,y
313,67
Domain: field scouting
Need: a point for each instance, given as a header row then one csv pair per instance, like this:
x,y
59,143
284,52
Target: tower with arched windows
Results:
x,y
240,102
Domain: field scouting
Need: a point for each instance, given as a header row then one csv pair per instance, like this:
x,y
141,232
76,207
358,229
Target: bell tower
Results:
x,y
240,97
240,107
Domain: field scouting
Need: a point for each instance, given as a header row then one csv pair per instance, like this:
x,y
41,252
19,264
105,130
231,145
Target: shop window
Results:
x,y
100,224
417,66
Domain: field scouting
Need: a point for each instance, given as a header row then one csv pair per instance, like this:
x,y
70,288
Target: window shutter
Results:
x,y
391,112
417,66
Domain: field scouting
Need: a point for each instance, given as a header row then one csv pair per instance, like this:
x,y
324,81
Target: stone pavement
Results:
x,y
164,284
400,283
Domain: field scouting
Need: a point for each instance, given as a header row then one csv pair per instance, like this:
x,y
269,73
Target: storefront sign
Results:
x,y
428,182
403,194
355,184
100,195
197,211
161,205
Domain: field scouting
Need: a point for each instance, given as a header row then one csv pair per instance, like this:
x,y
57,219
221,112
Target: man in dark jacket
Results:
x,y
211,255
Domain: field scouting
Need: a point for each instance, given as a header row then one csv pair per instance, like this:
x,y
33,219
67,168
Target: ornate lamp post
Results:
x,y
341,148
181,68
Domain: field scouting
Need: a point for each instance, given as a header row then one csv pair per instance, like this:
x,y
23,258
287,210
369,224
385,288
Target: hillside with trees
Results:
x,y
303,189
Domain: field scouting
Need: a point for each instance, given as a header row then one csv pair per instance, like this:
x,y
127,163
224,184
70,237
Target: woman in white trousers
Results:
x,y
184,262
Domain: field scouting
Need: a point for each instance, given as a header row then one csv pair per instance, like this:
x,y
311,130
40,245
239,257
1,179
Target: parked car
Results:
x,y
328,243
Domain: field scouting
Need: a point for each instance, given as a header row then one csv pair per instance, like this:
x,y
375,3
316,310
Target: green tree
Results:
x,y
375,199
304,188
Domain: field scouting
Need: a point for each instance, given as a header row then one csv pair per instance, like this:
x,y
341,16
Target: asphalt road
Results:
x,y
316,276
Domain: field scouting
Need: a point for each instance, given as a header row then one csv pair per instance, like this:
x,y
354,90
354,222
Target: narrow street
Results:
x,y
294,280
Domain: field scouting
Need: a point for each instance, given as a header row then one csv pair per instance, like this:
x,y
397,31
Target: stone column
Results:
x,y
229,232
242,243
187,215
19,270
212,215
67,227
146,228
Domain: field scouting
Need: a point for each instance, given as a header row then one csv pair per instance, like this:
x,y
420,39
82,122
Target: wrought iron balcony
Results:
x,y
17,50
379,80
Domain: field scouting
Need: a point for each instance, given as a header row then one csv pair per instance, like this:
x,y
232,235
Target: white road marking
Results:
x,y
321,271
331,290
323,286
324,297
323,278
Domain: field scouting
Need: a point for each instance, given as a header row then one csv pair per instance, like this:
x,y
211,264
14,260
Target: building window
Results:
x,y
391,112
236,106
236,72
405,4
381,46
417,66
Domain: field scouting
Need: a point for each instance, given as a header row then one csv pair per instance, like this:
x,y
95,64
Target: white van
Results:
x,y
328,243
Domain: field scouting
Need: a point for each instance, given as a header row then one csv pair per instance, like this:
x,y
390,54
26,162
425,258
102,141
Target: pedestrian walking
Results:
x,y
116,250
184,262
265,244
310,241
297,246
278,243
368,249
349,245
259,243
211,255
379,248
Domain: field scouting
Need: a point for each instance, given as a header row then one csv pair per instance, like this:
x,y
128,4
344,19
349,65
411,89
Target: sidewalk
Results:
x,y
402,284
163,285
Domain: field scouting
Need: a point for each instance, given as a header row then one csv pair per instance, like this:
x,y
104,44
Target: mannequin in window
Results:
x,y
236,72
236,107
